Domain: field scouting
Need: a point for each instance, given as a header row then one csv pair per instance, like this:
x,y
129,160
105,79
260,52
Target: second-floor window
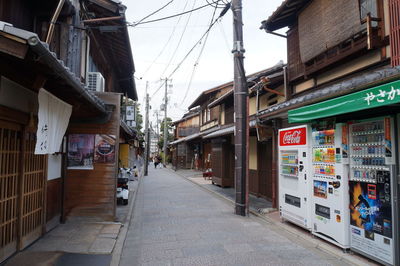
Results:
x,y
206,114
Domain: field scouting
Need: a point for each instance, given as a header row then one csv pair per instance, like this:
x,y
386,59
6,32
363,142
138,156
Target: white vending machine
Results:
x,y
330,183
294,184
372,188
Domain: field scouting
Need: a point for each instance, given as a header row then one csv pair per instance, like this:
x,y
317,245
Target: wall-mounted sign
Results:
x,y
80,151
105,149
293,137
130,113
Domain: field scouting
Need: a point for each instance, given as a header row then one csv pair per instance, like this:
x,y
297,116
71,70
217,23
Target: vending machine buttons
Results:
x,y
371,191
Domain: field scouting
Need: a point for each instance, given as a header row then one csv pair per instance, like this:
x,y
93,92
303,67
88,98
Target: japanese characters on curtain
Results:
x,y
54,115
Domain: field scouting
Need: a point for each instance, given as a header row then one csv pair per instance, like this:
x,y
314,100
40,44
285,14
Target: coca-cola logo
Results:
x,y
293,137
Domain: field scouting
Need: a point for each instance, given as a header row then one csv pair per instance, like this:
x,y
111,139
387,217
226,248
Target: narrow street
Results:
x,y
176,222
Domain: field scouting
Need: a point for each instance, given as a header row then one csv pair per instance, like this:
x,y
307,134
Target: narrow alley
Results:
x,y
176,222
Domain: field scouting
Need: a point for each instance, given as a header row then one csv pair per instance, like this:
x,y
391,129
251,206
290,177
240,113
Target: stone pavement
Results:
x,y
81,239
259,205
176,222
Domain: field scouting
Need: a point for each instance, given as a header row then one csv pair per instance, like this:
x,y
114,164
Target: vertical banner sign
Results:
x,y
105,149
80,151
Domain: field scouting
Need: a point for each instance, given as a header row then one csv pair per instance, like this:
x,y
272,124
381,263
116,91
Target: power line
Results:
x,y
194,46
172,16
166,44
179,42
158,10
198,60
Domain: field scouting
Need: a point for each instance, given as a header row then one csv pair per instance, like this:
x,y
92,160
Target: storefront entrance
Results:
x,y
22,184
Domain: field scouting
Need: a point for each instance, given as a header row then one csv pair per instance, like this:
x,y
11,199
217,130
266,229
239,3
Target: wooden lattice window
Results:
x,y
394,9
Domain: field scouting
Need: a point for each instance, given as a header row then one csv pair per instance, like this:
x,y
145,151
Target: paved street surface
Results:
x,y
176,222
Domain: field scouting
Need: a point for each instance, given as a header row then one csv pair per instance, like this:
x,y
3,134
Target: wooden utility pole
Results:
x,y
240,106
157,130
146,132
165,122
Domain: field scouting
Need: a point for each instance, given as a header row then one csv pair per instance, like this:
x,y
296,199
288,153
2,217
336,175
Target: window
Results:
x,y
206,115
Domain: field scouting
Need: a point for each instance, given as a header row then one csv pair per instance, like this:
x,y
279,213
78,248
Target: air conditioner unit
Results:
x,y
95,81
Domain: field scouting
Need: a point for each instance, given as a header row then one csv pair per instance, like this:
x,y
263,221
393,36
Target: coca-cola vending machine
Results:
x,y
294,180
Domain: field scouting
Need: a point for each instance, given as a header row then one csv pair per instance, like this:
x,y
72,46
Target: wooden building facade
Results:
x,y
337,49
33,194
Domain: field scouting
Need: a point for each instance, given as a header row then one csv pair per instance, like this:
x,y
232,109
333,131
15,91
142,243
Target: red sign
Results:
x,y
293,137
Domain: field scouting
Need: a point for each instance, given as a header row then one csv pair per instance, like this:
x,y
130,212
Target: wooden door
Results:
x,y
33,193
10,146
265,169
22,189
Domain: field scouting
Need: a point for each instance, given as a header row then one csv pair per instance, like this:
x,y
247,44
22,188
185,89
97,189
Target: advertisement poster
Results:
x,y
371,217
320,189
345,141
80,151
105,149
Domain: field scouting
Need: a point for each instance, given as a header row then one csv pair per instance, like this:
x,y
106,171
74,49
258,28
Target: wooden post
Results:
x,y
276,125
45,169
21,188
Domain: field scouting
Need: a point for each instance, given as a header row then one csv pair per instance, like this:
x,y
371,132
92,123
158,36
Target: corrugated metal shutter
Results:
x,y
394,7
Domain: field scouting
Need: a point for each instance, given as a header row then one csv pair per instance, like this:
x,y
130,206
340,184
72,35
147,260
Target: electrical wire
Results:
x,y
225,38
172,16
166,44
216,4
179,42
158,10
194,46
198,59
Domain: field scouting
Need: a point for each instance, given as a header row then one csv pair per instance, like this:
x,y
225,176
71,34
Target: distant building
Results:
x,y
154,137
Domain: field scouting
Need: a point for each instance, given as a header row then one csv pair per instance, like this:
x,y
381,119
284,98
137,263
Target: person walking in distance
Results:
x,y
156,161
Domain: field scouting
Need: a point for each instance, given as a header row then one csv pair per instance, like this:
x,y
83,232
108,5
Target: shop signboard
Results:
x,y
382,95
293,137
105,149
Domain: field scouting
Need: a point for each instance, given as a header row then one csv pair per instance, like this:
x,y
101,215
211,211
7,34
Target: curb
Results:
x,y
117,252
316,243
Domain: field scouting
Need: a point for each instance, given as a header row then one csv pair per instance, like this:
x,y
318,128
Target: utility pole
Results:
x,y
165,122
146,132
158,130
240,106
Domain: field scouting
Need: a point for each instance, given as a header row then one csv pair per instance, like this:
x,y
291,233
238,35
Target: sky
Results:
x,y
159,48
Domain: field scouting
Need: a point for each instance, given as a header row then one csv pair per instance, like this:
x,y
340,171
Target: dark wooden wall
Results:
x,y
223,162
253,182
53,198
92,192
264,151
17,12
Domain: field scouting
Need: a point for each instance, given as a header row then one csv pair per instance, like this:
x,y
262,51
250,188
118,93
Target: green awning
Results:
x,y
382,95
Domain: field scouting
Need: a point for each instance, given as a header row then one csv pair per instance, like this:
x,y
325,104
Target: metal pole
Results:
x,y
240,106
165,123
146,131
